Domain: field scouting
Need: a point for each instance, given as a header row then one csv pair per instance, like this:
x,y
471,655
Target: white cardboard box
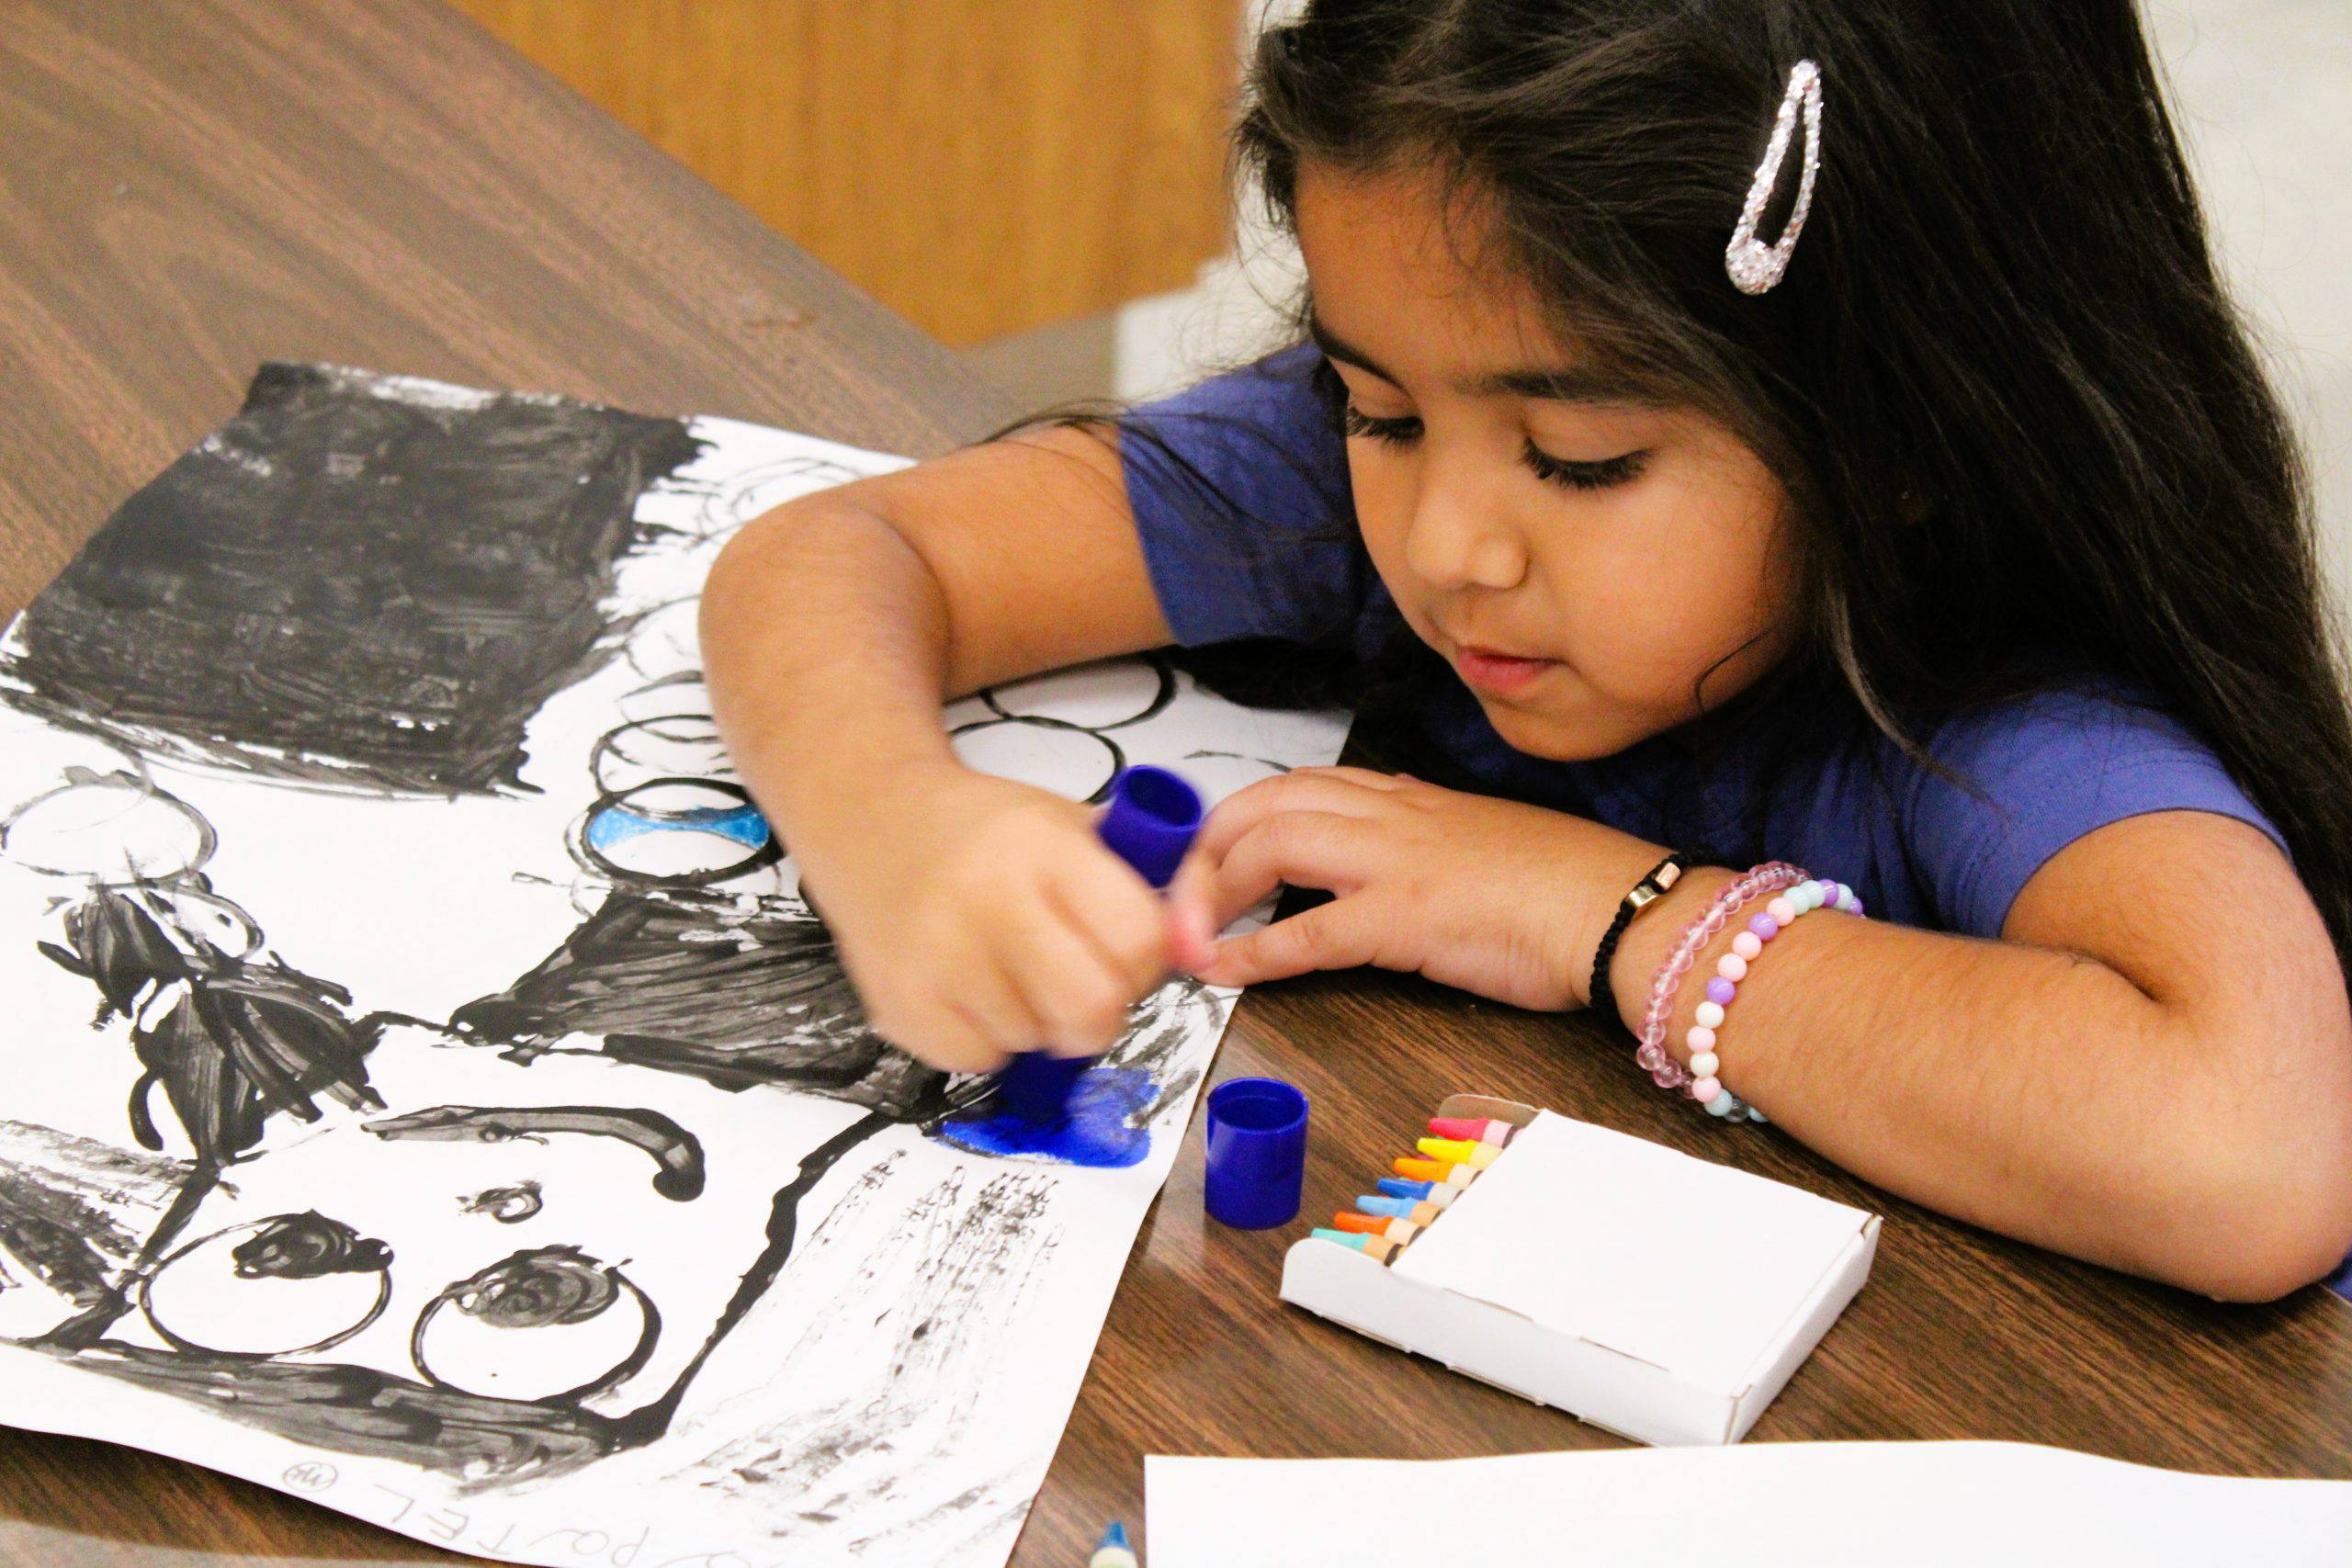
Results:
x,y
1665,1298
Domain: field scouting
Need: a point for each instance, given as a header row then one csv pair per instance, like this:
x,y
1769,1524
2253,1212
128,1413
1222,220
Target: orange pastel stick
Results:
x,y
1377,1225
1437,1170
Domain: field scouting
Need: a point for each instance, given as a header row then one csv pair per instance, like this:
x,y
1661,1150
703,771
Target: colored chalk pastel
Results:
x,y
1425,1214
1479,1156
1395,1208
1443,1173
1117,1550
1383,1248
1350,1239
1377,1225
1420,1191
1471,1130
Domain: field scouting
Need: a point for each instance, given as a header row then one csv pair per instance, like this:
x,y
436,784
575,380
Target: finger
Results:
x,y
989,1001
1192,913
1338,935
1117,910
1068,980
1327,790
1367,778
943,1038
1299,849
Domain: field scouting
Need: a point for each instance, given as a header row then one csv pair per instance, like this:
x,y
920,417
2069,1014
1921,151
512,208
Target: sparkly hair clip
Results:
x,y
1755,267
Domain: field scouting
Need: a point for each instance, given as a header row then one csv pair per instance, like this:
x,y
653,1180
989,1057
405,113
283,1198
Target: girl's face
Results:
x,y
1582,559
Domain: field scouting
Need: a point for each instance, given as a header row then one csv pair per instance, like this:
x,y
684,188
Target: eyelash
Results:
x,y
1607,474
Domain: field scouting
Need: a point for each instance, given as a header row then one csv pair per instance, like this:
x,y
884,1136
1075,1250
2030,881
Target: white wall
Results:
x,y
2263,89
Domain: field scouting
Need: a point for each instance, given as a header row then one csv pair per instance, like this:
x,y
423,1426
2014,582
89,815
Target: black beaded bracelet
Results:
x,y
1650,888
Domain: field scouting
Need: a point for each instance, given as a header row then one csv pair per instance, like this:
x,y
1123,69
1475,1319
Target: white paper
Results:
x,y
1690,1266
1761,1505
635,1393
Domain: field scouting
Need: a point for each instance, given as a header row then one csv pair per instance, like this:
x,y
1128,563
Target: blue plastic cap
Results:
x,y
1257,1161
1151,822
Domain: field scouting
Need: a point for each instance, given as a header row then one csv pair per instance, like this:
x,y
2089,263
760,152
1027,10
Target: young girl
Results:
x,y
1769,430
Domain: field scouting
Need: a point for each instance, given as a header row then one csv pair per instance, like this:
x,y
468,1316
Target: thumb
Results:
x,y
1192,915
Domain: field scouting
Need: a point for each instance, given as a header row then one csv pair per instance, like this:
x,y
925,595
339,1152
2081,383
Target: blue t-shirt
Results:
x,y
1240,488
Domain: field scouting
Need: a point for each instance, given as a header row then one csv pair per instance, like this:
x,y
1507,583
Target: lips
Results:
x,y
1501,673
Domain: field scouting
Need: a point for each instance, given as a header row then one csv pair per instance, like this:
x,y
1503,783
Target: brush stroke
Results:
x,y
207,1315
733,990
486,1443
75,1211
507,1205
932,1288
675,1150
358,582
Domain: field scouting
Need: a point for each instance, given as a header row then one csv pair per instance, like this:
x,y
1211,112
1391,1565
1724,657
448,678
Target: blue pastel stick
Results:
x,y
1150,823
1398,1187
1396,1208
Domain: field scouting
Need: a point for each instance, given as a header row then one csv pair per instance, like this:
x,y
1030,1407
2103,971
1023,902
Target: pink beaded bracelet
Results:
x,y
1793,893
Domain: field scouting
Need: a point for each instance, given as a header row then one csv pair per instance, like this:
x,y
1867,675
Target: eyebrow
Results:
x,y
1560,384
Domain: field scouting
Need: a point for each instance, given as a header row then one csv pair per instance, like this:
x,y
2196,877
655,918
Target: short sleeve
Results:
x,y
1239,491
2041,771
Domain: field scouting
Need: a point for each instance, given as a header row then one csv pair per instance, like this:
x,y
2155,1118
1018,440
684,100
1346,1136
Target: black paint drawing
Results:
x,y
357,583
379,659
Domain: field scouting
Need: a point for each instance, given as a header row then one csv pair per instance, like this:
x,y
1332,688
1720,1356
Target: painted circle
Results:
x,y
1104,695
672,696
681,746
227,929
677,833
113,829
547,1323
202,1299
1045,753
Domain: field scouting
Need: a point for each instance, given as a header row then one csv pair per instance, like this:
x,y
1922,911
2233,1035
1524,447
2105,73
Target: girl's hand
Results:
x,y
979,917
1503,900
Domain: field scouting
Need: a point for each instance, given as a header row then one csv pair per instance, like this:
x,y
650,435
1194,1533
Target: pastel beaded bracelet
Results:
x,y
1793,892
1706,1088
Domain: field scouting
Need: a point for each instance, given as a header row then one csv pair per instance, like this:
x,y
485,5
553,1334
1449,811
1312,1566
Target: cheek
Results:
x,y
1691,586
1382,486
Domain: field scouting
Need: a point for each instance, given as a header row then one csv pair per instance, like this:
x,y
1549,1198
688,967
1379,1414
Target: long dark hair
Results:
x,y
2019,423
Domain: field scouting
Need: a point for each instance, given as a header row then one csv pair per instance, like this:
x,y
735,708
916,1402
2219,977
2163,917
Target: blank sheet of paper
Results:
x,y
1684,1263
1799,1505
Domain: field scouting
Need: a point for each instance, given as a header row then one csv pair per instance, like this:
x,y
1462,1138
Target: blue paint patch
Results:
x,y
619,824
1100,1130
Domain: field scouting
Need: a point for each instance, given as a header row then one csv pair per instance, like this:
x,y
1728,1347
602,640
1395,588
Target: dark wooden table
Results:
x,y
192,186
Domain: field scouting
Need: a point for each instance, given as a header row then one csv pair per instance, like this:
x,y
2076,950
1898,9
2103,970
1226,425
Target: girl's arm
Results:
x,y
2151,1070
978,916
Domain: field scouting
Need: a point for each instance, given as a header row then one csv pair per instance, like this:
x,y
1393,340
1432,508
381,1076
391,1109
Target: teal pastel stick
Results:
x,y
1395,1208
1351,1240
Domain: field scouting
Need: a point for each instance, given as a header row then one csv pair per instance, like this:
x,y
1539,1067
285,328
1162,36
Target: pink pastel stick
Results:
x,y
1471,1130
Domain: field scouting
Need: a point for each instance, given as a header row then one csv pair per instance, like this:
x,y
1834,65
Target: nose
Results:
x,y
1462,535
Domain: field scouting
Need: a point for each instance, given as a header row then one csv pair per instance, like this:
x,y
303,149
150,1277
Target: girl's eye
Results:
x,y
1392,431
1607,474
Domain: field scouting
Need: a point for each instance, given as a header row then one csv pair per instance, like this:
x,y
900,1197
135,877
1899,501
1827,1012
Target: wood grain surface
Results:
x,y
962,159
193,187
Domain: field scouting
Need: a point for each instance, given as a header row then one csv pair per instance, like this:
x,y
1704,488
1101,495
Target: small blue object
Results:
x,y
1257,1158
1395,1208
1398,1187
1150,823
